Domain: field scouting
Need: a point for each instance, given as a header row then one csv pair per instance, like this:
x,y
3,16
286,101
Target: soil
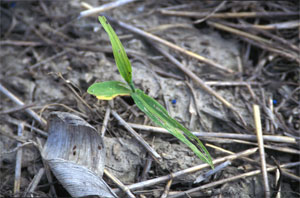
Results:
x,y
52,27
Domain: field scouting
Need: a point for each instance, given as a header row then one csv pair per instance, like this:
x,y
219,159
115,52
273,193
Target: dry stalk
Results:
x,y
257,41
17,182
92,11
35,181
152,152
200,82
277,177
14,98
119,183
172,46
165,178
15,109
105,121
275,147
167,189
223,181
230,152
257,120
228,14
272,138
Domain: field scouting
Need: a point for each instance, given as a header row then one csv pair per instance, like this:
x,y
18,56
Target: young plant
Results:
x,y
155,111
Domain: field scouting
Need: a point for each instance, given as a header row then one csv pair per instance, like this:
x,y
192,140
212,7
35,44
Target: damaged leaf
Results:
x,y
109,90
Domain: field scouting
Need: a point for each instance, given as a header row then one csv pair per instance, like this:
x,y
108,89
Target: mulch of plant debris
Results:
x,y
226,70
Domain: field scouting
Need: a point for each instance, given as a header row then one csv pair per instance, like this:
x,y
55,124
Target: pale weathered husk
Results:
x,y
75,153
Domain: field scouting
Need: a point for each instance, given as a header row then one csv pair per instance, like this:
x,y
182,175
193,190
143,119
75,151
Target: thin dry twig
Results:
x,y
167,189
171,45
275,147
21,43
64,106
49,59
14,98
278,183
230,152
228,14
231,83
128,107
119,183
35,181
146,168
15,109
272,138
260,141
165,178
218,168
212,13
105,121
223,181
257,41
17,182
92,11
200,82
290,175
16,122
152,152
47,169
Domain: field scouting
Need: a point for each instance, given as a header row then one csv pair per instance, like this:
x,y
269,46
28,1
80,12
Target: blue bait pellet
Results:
x,y
13,4
174,101
274,101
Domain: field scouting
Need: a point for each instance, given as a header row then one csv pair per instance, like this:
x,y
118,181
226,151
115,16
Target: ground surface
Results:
x,y
48,56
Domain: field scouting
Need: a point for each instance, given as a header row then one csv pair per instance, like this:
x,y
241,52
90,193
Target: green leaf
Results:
x,y
121,58
159,115
109,90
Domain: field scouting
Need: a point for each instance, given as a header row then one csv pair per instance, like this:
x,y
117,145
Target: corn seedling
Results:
x,y
155,111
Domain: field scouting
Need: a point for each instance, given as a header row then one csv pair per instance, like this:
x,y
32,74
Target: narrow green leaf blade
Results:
x,y
109,90
159,115
120,55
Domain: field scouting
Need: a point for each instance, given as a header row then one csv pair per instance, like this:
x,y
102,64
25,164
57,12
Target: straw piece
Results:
x,y
18,108
118,183
230,152
167,189
16,122
33,184
260,141
47,169
128,107
211,172
49,59
199,81
165,178
228,14
146,168
21,43
152,152
14,98
277,180
290,175
230,83
271,138
18,167
276,148
91,10
171,45
223,181
257,41
278,26
105,121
